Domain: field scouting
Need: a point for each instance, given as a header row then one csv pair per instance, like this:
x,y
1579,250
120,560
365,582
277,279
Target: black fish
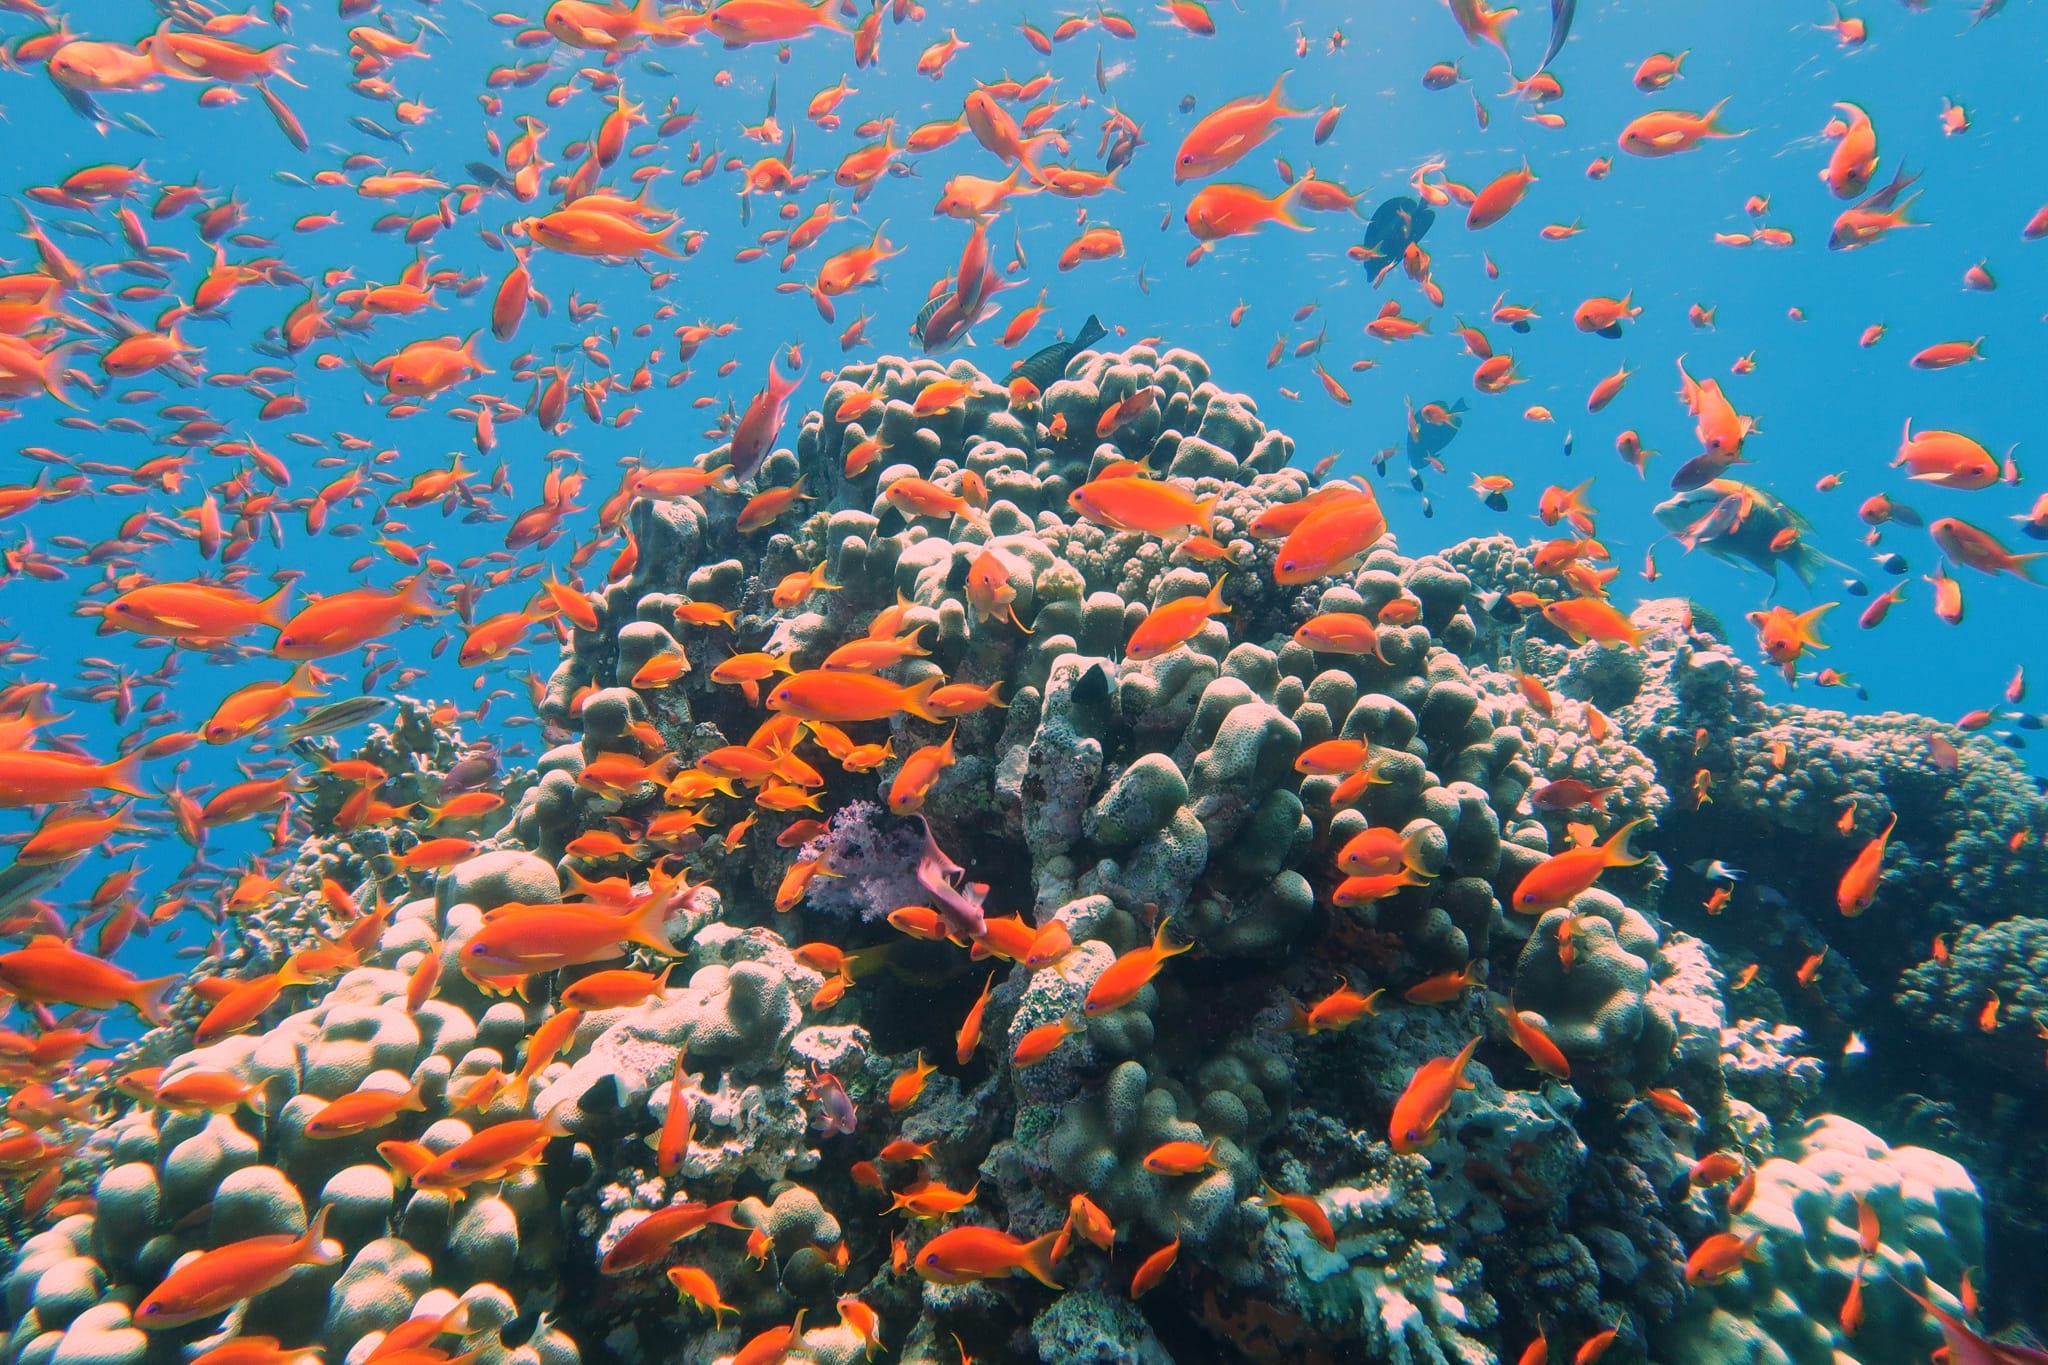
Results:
x,y
1394,226
1561,12
1048,366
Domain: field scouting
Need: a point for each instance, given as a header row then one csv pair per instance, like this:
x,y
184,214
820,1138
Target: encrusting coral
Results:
x,y
1027,857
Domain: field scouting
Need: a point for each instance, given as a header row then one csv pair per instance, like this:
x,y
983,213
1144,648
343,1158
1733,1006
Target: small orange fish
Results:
x,y
908,1085
1858,886
1536,1044
1181,1158
1121,981
1037,1044
1720,1256
1155,1268
1341,1007
1305,1210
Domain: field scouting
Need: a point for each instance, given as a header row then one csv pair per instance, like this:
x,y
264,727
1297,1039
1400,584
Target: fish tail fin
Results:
x,y
418,597
1412,846
2023,565
313,1246
1619,854
271,610
1711,121
1807,620
916,699
1283,208
1206,509
149,997
646,924
1036,1259
124,775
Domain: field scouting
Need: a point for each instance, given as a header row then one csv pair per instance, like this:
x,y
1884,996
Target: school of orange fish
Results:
x,y
159,556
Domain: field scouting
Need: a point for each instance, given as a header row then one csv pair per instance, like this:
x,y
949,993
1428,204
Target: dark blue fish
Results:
x,y
1561,12
1395,224
1048,366
1426,440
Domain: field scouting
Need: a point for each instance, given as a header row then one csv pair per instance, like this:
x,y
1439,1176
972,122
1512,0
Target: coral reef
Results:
x,y
1026,854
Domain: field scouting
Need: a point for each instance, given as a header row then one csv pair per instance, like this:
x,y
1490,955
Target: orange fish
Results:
x,y
1154,1268
1427,1099
1222,137
1589,618
1153,507
1671,131
50,971
1333,538
1536,1044
1039,1043
696,1285
362,1111
1121,981
1339,1008
840,697
919,773
1720,1256
1231,210
1305,1210
1858,887
517,940
1505,191
965,1254
214,1281
1172,624
1558,879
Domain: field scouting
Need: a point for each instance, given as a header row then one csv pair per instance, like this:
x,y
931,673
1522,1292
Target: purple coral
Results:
x,y
876,864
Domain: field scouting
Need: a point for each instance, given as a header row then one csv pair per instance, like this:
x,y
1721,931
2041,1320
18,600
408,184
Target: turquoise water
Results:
x,y
1786,345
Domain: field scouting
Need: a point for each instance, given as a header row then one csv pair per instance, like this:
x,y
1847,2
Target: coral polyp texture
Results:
x,y
1076,887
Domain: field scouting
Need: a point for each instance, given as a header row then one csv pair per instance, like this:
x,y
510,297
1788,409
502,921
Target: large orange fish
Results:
x,y
214,1281
1147,505
493,1153
1122,979
50,971
1720,1256
1558,879
517,940
44,777
1224,136
1427,1099
337,624
1947,459
1590,618
1672,130
1334,538
839,697
966,1254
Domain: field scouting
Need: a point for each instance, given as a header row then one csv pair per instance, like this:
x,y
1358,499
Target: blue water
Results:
x,y
1823,403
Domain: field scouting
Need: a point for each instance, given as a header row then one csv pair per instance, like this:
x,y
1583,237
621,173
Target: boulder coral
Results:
x,y
922,890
